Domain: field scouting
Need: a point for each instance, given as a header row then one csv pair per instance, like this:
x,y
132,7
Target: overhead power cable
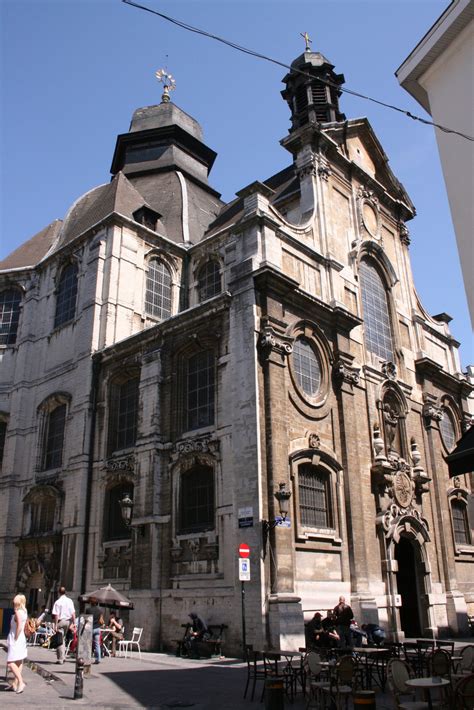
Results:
x,y
258,55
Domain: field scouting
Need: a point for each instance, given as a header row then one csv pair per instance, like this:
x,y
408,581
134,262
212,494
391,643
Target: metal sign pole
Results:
x,y
244,636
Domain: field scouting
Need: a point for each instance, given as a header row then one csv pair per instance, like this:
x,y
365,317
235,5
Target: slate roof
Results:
x,y
34,250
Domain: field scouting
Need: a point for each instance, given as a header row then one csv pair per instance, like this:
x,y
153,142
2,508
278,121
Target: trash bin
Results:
x,y
364,700
274,694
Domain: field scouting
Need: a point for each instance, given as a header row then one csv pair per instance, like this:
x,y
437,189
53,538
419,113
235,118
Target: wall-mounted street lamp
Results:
x,y
126,509
283,496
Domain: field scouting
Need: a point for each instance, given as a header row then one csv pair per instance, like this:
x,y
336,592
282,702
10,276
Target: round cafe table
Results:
x,y
427,685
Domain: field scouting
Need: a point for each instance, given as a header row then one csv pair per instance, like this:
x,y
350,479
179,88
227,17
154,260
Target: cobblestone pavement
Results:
x,y
158,682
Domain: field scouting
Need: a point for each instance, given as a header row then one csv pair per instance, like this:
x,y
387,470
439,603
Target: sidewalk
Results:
x,y
159,681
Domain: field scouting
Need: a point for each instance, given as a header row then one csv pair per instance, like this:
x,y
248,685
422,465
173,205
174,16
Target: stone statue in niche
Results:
x,y
391,421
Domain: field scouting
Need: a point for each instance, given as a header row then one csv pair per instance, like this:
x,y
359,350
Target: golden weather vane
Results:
x,y
307,39
169,84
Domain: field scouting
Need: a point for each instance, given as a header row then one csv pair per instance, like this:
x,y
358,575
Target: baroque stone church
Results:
x,y
177,372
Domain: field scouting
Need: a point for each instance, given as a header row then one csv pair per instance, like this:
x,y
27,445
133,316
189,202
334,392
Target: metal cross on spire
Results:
x,y
307,39
169,84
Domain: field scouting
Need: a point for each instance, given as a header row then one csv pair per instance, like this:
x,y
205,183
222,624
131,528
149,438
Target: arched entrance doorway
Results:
x,y
409,586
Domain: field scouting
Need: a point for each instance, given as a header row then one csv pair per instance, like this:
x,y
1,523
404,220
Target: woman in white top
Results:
x,y
16,642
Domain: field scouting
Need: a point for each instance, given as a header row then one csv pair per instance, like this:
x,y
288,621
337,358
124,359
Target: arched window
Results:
x,y
307,366
158,290
66,296
123,415
462,534
53,441
200,385
377,329
209,280
42,516
196,500
9,316
114,525
447,430
314,497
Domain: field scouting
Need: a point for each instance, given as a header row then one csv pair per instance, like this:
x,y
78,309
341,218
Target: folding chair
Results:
x,y
127,645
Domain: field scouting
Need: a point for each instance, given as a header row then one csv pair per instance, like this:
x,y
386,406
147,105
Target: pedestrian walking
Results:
x,y
63,615
16,643
343,616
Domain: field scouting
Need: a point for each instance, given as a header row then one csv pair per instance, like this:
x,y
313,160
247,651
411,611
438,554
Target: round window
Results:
x,y
447,429
307,367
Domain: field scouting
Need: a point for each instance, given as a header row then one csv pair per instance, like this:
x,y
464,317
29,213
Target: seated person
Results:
x,y
329,626
315,635
359,636
375,634
116,629
197,632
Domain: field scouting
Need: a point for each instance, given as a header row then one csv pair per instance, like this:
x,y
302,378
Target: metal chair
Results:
x,y
125,646
341,689
464,693
256,670
440,663
316,683
398,672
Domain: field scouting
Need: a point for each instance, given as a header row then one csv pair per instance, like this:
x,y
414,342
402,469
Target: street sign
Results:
x,y
244,570
244,550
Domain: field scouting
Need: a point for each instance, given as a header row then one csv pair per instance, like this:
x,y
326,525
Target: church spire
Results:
x,y
312,91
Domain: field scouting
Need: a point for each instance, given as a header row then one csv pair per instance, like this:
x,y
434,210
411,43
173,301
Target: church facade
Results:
x,y
182,360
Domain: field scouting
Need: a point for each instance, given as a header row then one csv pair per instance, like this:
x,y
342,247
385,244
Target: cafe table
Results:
x,y
290,672
427,685
374,664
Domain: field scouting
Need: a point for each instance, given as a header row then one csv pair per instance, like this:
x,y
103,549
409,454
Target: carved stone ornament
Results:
x,y
271,340
324,170
457,482
194,546
306,170
379,446
430,411
467,422
121,463
314,441
389,370
199,444
404,234
402,489
393,517
344,373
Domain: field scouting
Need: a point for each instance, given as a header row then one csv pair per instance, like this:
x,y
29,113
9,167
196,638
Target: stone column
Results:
x,y
285,614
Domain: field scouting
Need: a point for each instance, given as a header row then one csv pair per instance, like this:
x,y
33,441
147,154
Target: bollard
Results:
x,y
274,694
79,681
364,700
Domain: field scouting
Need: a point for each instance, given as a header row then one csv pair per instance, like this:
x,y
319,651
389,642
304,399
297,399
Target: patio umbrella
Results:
x,y
108,596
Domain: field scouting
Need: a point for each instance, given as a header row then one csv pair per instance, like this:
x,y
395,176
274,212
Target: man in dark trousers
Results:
x,y
343,616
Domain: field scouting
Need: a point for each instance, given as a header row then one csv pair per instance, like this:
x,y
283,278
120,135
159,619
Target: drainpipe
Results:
x,y
96,366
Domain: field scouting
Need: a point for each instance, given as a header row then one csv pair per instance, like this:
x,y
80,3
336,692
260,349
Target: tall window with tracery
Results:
x,y
53,442
123,414
200,389
314,497
377,327
114,526
209,280
306,366
9,316
66,296
462,533
196,500
158,290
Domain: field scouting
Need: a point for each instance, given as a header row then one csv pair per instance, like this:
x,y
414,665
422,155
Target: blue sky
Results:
x,y
73,72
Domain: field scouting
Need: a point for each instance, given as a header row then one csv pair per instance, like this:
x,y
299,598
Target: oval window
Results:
x,y
447,429
307,367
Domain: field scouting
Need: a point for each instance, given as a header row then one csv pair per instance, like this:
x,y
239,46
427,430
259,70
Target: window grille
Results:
x,y
66,296
377,330
54,438
460,523
9,316
158,290
123,414
447,430
42,516
314,495
197,500
209,281
307,367
115,527
200,390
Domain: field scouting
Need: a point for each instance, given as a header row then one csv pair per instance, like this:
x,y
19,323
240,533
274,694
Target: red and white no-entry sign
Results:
x,y
244,550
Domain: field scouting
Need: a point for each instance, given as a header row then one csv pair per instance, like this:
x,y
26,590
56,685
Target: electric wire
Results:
x,y
294,70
